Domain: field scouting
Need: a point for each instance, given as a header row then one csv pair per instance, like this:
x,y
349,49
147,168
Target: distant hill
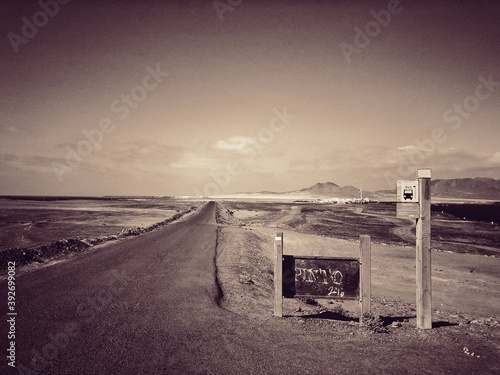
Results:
x,y
321,188
331,190
326,190
479,187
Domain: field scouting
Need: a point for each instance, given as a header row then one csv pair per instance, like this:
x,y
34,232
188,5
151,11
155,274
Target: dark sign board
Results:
x,y
408,210
320,277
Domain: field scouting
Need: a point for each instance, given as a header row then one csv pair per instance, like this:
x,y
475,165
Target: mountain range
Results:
x,y
478,188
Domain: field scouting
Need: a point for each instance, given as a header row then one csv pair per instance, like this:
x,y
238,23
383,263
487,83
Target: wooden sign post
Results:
x,y
365,284
423,251
322,277
278,274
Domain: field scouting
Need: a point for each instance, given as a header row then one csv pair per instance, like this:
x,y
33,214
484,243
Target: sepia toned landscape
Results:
x,y
221,187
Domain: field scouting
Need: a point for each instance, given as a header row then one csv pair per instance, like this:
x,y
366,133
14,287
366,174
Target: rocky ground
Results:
x,y
466,291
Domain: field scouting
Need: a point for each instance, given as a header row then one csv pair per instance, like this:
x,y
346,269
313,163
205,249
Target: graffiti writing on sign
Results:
x,y
326,276
321,277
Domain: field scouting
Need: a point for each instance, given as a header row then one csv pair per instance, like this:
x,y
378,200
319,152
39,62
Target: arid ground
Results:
x,y
465,274
466,293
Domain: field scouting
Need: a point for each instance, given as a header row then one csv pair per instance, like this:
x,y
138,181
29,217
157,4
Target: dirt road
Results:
x,y
150,305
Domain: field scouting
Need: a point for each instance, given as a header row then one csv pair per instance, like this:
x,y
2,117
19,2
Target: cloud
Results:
x,y
44,165
378,166
27,163
342,159
495,158
454,163
234,143
192,160
11,130
407,148
239,149
145,152
372,167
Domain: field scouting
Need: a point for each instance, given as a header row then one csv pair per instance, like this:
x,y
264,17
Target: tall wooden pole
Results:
x,y
365,277
423,250
278,274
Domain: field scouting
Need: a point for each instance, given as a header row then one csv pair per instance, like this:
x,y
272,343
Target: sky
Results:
x,y
203,97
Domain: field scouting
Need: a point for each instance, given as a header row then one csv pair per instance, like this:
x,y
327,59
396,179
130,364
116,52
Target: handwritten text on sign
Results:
x,y
321,277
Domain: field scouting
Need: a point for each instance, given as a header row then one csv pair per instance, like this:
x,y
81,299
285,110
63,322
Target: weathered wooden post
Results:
x,y
365,275
278,274
423,249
